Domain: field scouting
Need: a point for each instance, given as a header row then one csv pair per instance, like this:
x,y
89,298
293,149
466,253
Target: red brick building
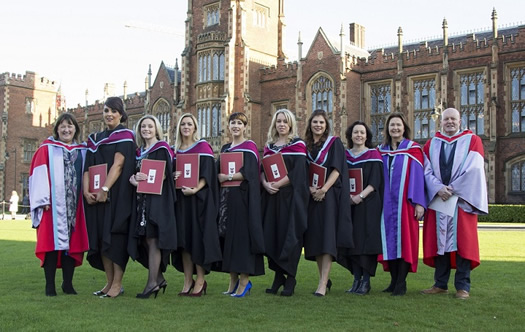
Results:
x,y
30,103
233,60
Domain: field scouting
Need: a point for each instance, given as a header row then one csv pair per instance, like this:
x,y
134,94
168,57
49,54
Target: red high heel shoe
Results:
x,y
189,290
202,291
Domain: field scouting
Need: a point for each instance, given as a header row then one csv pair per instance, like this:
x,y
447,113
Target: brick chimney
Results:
x,y
357,35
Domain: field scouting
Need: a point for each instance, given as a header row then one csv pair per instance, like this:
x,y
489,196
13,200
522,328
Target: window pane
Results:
x,y
221,67
215,115
464,94
417,99
516,177
215,66
417,128
515,89
522,176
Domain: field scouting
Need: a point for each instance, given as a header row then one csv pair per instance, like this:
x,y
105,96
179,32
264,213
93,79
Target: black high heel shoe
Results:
x,y
163,285
289,286
328,287
146,295
278,281
189,290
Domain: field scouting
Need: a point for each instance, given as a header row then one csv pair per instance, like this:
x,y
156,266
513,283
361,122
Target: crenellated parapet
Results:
x,y
132,101
475,43
30,80
281,70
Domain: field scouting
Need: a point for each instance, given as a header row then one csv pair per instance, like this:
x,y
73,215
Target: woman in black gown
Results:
x,y
196,211
108,211
153,232
367,206
329,223
284,203
240,223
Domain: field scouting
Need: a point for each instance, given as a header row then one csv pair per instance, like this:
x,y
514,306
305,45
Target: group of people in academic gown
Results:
x,y
230,228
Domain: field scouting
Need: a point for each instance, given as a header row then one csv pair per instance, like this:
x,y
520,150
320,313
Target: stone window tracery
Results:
x,y
424,103
209,117
380,103
212,14
517,176
472,102
517,99
210,66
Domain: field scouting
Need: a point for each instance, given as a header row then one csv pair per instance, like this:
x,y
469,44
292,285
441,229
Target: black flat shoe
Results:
x,y
400,289
107,295
318,294
51,291
99,293
389,289
354,287
364,288
69,290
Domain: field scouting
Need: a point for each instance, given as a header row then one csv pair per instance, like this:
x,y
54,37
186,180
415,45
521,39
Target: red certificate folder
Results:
x,y
355,178
231,163
154,169
316,175
97,177
188,164
274,167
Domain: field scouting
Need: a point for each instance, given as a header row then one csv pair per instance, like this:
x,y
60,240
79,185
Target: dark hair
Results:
x,y
69,118
406,133
350,130
115,103
238,115
309,136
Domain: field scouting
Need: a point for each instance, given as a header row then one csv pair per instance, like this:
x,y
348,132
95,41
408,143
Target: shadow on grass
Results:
x,y
496,301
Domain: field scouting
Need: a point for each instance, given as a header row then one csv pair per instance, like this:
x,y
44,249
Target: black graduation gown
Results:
x,y
160,214
285,217
197,220
366,220
329,221
108,223
243,242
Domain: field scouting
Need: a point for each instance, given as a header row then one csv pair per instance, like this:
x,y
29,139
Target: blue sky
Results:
x,y
84,44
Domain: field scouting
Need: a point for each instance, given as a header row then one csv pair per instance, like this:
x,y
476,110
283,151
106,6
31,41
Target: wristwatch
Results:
x,y
105,189
230,177
361,196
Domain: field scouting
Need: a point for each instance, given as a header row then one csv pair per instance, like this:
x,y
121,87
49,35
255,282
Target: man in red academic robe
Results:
x,y
456,188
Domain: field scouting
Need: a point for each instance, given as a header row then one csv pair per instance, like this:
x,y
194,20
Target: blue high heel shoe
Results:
x,y
245,292
234,289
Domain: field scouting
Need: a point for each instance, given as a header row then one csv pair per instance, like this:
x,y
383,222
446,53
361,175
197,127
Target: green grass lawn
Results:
x,y
497,300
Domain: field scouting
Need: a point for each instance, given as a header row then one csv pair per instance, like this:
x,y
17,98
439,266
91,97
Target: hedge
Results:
x,y
504,213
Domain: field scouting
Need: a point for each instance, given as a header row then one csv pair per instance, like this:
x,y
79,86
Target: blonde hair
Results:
x,y
273,135
158,129
178,137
